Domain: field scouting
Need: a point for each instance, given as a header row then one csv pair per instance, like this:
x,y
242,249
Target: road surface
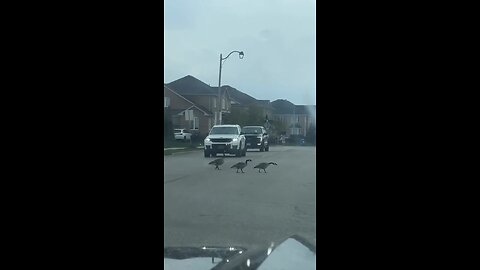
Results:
x,y
207,207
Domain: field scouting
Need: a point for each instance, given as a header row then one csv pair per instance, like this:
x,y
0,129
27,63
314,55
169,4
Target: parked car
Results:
x,y
182,134
257,137
225,139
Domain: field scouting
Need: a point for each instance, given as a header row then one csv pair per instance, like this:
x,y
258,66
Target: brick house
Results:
x,y
204,97
177,106
189,93
241,101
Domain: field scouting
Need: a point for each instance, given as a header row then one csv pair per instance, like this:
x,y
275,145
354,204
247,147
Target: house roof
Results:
x,y
236,95
305,109
265,103
283,106
239,97
190,85
201,108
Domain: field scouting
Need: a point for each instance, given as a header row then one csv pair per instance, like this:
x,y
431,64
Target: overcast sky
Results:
x,y
277,37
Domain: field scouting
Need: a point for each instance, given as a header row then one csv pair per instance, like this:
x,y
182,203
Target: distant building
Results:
x,y
242,101
297,118
189,93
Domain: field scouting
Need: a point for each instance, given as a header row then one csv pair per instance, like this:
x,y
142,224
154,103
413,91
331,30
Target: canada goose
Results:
x,y
264,165
217,162
241,165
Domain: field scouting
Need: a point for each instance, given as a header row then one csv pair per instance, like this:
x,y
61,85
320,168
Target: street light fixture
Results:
x,y
219,114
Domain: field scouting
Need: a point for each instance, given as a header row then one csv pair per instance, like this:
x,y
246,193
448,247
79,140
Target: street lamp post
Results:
x,y
219,114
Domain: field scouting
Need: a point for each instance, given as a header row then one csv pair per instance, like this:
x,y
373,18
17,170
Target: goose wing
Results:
x,y
260,165
216,161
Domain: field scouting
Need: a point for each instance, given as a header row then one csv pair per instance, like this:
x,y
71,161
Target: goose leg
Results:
x,y
264,171
258,170
242,170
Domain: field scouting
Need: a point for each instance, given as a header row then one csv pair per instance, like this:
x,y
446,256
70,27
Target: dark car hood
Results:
x,y
252,135
293,253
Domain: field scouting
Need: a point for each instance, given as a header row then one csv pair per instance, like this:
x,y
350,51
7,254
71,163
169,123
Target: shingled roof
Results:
x,y
283,106
265,103
236,95
201,108
190,85
305,109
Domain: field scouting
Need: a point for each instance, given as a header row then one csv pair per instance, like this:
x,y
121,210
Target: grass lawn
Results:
x,y
185,146
178,143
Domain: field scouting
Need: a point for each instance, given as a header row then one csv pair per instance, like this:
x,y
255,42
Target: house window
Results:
x,y
223,103
214,102
195,123
166,102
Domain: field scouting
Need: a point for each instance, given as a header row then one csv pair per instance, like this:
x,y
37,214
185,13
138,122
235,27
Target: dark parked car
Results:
x,y
256,137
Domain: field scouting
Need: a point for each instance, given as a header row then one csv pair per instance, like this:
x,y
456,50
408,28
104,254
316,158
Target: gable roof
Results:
x,y
237,95
283,106
201,108
265,103
190,85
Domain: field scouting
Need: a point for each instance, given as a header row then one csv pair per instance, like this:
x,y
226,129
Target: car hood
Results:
x,y
253,135
223,136
293,253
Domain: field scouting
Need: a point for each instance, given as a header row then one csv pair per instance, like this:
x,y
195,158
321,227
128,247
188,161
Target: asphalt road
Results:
x,y
207,207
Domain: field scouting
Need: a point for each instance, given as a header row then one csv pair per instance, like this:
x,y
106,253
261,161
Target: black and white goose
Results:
x,y
264,165
241,165
217,162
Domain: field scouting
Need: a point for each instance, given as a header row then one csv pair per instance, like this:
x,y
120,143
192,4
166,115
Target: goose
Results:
x,y
217,162
264,165
241,165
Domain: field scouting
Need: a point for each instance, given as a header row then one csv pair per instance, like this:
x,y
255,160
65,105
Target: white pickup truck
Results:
x,y
225,139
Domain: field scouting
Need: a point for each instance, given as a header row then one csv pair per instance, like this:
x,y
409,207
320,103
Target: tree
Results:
x,y
277,127
252,115
255,116
237,116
